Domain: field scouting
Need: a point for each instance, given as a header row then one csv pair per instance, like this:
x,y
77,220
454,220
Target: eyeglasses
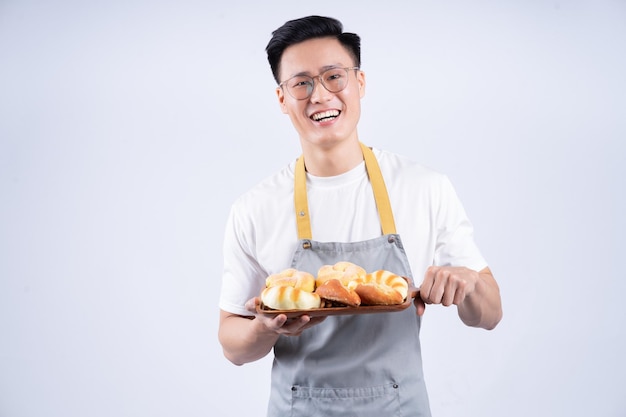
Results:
x,y
301,87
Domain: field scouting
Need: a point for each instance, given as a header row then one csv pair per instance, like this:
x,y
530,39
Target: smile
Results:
x,y
325,115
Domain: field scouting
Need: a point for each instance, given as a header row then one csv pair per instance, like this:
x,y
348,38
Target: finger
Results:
x,y
423,295
437,290
299,324
277,323
295,325
314,321
449,292
252,303
460,293
427,284
420,306
429,275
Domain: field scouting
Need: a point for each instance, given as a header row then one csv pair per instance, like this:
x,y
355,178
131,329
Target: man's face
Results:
x,y
313,57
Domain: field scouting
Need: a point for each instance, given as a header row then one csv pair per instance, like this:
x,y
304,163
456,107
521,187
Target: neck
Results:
x,y
333,160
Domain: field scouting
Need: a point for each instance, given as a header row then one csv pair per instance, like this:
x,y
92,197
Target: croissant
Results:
x,y
382,288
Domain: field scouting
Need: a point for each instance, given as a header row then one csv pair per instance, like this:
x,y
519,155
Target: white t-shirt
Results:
x,y
261,236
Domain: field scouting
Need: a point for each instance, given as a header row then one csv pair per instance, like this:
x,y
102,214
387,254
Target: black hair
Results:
x,y
305,28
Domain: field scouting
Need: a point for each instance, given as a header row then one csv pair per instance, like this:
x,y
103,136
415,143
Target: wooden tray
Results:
x,y
339,311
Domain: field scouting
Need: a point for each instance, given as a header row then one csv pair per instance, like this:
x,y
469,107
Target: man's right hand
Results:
x,y
281,324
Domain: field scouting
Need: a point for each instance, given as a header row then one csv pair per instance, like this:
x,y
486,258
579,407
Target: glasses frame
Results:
x,y
321,81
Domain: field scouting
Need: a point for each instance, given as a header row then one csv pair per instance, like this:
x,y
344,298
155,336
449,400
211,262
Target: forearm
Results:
x,y
244,340
483,307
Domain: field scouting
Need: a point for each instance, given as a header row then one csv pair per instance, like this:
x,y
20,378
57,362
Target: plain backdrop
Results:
x,y
127,129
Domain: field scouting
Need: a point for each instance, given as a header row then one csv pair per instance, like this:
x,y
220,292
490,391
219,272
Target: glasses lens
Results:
x,y
335,79
300,87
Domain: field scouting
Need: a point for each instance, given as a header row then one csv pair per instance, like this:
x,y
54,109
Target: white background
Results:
x,y
127,129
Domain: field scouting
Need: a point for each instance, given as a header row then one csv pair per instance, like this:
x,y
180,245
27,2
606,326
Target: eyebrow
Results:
x,y
322,69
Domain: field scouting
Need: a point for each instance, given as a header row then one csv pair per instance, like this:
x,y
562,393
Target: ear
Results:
x,y
360,78
280,94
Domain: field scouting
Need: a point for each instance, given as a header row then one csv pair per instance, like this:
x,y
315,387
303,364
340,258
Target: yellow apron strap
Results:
x,y
301,204
380,191
378,185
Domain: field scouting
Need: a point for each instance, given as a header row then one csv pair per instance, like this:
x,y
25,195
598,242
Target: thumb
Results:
x,y
419,305
252,303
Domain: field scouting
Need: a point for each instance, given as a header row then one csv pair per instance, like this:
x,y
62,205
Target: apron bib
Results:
x,y
360,365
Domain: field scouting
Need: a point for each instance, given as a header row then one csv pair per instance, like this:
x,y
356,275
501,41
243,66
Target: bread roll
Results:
x,y
292,278
333,290
343,271
289,298
376,294
389,279
382,288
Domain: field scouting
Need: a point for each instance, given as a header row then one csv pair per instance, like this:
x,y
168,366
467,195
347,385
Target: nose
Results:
x,y
319,93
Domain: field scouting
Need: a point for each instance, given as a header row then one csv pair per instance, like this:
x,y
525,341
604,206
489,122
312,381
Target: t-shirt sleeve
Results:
x,y
242,276
455,244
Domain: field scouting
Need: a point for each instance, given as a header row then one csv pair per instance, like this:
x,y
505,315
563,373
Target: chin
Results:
x,y
326,142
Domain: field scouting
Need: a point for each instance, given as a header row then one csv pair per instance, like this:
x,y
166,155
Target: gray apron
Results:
x,y
358,365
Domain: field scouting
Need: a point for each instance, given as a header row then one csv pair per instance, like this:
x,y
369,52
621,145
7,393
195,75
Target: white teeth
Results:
x,y
325,115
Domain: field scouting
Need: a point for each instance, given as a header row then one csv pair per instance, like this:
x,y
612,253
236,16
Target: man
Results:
x,y
361,365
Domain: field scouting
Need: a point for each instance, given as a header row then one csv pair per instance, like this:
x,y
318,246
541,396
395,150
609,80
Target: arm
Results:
x,y
476,294
247,339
